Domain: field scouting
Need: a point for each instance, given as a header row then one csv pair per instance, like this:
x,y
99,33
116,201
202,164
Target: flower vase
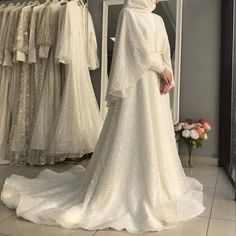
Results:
x,y
190,150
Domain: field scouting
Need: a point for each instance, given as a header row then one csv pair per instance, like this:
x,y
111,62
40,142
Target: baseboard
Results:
x,y
201,160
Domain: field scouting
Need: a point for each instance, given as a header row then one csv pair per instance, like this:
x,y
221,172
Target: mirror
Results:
x,y
171,12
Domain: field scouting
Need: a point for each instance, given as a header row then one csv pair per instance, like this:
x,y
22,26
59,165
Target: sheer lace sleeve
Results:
x,y
166,53
22,34
44,33
156,62
3,29
32,46
93,61
62,54
50,25
7,59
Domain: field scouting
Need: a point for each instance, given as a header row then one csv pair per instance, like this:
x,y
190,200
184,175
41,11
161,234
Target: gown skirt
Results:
x,y
134,180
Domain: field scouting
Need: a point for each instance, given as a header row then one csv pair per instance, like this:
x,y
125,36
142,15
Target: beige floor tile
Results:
x,y
206,175
194,227
224,206
31,171
208,194
223,180
5,212
15,226
221,228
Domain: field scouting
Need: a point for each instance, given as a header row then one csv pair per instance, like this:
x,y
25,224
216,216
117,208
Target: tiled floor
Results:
x,y
219,218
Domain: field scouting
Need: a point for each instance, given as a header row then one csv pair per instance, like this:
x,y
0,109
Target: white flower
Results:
x,y
205,136
186,133
194,134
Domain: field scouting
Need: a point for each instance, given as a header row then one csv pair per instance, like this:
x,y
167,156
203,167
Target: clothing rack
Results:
x,y
86,47
86,2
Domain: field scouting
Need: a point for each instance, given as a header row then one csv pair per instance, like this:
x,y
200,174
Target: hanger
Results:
x,y
23,4
11,4
81,3
63,2
36,3
18,4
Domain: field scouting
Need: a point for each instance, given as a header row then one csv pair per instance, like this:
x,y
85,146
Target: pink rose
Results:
x,y
207,127
202,121
200,130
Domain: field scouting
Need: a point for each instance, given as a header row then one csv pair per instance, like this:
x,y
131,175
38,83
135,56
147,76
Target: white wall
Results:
x,y
201,67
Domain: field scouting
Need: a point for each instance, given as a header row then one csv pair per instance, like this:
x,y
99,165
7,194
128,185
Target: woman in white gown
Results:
x,y
134,180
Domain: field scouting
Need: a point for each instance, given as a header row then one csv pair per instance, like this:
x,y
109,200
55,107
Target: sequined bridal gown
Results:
x,y
134,180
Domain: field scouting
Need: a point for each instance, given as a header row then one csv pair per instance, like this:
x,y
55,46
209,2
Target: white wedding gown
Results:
x,y
79,123
134,180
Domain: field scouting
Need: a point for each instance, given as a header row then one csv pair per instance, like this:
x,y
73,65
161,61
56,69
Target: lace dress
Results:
x,y
49,101
20,132
38,70
6,74
79,122
1,13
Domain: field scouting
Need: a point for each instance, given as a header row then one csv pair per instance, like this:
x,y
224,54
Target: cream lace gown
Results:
x,y
134,180
5,74
48,96
79,123
20,132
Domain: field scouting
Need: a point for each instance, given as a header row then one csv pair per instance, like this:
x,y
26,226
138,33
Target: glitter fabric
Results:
x,y
134,180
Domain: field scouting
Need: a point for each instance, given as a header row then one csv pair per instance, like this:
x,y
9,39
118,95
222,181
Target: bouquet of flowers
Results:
x,y
192,134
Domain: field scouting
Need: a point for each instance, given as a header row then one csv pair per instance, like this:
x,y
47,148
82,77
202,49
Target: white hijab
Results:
x,y
131,57
148,5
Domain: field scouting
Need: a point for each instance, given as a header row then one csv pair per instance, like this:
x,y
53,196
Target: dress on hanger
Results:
x,y
2,8
38,64
20,132
79,123
134,180
49,103
5,73
10,59
38,70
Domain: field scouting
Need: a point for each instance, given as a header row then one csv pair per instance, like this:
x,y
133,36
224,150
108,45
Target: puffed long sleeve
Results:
x,y
32,58
93,61
62,54
156,63
21,47
166,54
